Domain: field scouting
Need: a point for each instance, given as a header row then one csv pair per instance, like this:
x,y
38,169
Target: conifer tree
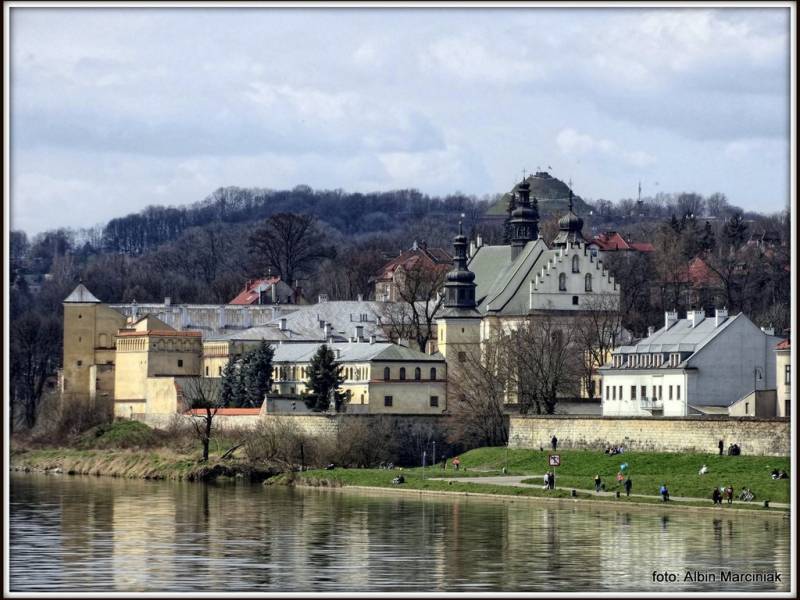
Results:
x,y
325,376
257,375
230,388
735,230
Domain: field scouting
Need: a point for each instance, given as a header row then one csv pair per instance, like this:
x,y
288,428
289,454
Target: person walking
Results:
x,y
547,481
597,483
628,486
716,497
664,492
728,494
552,481
456,463
721,447
554,442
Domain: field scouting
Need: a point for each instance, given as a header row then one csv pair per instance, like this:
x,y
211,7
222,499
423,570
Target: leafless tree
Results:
x,y
412,316
202,395
477,390
597,331
289,244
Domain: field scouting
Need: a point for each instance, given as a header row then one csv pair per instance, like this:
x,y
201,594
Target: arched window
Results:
x,y
402,373
562,282
587,282
386,374
417,374
433,374
575,265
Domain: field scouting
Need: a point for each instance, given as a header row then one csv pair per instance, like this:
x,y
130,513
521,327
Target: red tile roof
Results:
x,y
612,241
250,293
784,345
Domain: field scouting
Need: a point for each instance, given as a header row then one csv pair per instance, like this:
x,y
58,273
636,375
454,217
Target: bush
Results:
x,y
119,434
66,420
278,443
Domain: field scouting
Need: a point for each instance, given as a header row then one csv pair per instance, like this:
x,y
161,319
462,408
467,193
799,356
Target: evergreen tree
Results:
x,y
735,230
257,375
230,390
707,239
325,376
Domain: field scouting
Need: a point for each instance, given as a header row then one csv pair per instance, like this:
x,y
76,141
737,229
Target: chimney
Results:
x,y
695,317
472,248
720,316
327,329
282,324
479,241
360,298
650,331
338,352
372,339
359,333
274,292
768,330
167,301
322,298
670,318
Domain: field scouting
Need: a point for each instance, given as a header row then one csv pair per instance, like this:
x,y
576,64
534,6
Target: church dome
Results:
x,y
570,222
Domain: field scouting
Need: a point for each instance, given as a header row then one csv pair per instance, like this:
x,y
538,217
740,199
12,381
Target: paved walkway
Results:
x,y
516,481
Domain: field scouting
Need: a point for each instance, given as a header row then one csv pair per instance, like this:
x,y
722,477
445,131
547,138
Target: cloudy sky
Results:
x,y
116,109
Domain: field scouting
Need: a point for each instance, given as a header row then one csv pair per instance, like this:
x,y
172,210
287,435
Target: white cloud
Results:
x,y
573,143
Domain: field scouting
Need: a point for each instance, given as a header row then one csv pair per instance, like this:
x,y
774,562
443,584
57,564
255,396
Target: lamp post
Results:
x,y
433,462
424,456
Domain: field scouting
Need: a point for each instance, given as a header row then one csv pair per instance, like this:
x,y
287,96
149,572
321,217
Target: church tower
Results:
x,y
570,228
458,323
524,220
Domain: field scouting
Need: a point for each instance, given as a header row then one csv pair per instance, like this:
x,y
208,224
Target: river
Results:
x,y
71,533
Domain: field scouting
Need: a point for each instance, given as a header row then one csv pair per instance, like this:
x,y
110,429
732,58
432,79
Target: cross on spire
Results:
x,y
524,174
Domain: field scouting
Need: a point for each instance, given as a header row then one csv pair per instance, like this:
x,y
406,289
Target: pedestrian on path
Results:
x,y
552,480
628,485
664,492
716,497
547,481
729,494
554,442
597,483
721,447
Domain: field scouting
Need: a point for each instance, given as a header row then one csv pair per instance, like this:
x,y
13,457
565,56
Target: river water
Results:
x,y
101,534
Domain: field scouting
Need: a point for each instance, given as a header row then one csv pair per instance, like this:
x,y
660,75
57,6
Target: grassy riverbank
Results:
x,y
577,470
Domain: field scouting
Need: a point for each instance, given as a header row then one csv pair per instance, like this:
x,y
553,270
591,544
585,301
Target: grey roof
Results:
x,y
352,352
303,324
681,337
81,294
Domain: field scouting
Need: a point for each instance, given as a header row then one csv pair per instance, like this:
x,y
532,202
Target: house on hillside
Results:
x,y
269,290
613,241
696,365
390,279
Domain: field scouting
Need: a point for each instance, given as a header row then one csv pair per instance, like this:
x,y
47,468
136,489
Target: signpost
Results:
x,y
555,461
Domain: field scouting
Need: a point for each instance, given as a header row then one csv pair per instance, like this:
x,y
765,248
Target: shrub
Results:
x,y
119,434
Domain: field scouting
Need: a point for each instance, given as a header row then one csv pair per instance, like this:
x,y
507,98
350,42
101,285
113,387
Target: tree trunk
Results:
x,y
207,437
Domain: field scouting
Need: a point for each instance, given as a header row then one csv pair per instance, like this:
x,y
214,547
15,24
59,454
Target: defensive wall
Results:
x,y
755,436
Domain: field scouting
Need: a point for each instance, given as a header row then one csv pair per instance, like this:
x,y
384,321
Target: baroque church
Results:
x,y
494,286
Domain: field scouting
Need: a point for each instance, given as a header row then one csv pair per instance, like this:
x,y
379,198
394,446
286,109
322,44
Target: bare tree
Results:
x,y
545,362
597,332
412,317
202,395
289,244
478,389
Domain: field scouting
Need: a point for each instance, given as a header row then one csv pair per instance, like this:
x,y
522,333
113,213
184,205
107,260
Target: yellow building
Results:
x,y
90,329
382,377
783,376
150,356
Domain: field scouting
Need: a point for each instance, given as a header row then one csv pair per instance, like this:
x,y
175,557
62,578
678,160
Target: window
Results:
x,y
613,392
206,371
620,392
433,374
402,373
608,396
654,393
417,374
80,316
670,392
462,357
386,374
633,392
678,392
575,265
575,301
387,400
562,282
80,338
787,374
587,282
292,390
219,370
180,362
747,408
659,392
80,363
643,392
434,401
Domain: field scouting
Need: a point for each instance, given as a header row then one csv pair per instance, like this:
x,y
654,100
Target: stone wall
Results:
x,y
770,437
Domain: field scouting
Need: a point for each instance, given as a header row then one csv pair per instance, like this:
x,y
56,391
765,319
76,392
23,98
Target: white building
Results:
x,y
691,366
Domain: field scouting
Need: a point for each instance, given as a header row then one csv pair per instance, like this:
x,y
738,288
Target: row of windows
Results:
x,y
562,282
388,400
645,360
615,391
387,374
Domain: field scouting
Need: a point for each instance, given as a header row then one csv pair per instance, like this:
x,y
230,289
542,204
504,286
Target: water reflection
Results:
x,y
100,534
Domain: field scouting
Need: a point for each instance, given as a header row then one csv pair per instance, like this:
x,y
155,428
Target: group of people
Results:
x,y
733,449
779,474
549,481
719,493
612,450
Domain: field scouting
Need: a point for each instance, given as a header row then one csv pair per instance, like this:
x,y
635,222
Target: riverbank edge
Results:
x,y
132,464
560,502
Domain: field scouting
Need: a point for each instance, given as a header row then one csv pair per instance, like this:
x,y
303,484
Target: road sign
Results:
x,y
555,460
